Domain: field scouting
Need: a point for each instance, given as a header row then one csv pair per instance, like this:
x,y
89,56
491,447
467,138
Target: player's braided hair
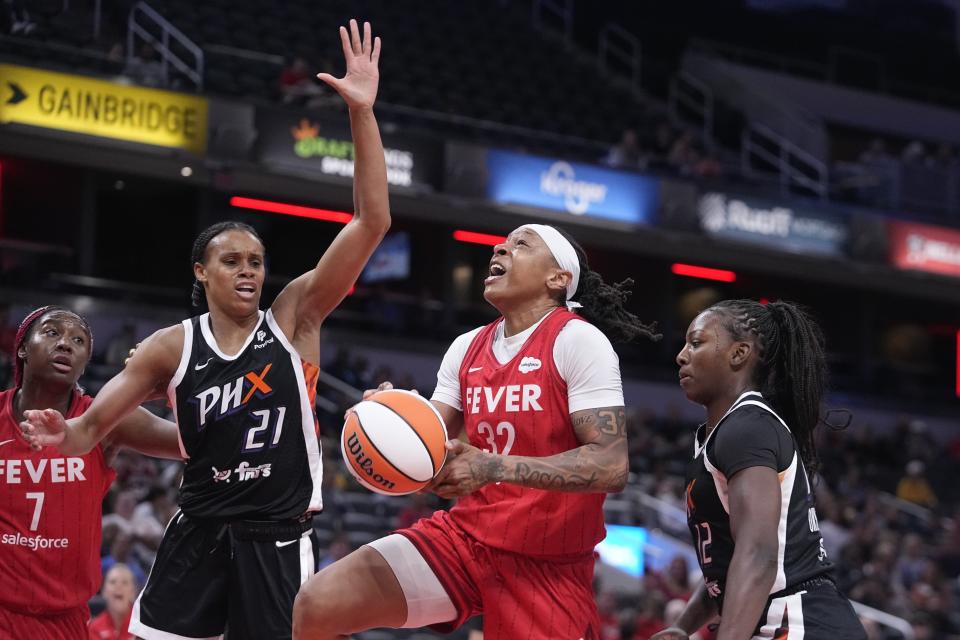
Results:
x,y
199,253
791,371
603,304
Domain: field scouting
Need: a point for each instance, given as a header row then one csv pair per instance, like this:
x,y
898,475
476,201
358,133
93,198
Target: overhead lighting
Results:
x,y
478,238
704,273
291,209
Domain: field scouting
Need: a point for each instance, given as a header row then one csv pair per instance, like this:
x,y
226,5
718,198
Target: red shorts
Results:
x,y
66,625
520,597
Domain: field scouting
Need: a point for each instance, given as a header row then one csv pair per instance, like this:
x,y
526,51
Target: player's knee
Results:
x,y
314,610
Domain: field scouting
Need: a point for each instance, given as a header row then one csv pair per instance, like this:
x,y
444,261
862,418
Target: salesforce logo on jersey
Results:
x,y
784,228
578,189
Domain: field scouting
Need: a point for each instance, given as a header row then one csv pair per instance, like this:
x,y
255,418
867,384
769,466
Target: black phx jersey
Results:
x,y
752,434
247,426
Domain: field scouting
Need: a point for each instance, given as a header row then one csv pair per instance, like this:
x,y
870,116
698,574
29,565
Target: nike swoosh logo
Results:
x,y
287,543
6,442
472,369
199,366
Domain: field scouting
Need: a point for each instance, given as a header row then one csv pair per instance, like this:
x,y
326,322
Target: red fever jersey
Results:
x,y
50,519
520,408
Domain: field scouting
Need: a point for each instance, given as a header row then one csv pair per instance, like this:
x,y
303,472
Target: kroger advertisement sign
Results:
x,y
778,227
578,189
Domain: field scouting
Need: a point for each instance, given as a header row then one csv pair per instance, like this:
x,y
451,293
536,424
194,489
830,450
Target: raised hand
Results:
x,y
358,87
43,428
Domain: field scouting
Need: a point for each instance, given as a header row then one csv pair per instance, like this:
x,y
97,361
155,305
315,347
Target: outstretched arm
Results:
x,y
148,434
599,465
146,374
303,305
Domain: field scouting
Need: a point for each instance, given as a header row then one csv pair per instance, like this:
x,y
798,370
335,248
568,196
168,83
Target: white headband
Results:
x,y
565,255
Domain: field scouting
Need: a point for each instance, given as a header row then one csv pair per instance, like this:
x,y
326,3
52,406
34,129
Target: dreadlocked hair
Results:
x,y
198,296
791,372
603,303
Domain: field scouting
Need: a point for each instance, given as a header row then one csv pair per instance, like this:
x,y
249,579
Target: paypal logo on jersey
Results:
x,y
260,342
226,399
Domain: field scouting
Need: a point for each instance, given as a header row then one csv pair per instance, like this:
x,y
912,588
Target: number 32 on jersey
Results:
x,y
499,439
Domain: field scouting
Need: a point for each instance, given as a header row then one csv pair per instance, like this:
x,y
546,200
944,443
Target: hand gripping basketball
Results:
x,y
393,441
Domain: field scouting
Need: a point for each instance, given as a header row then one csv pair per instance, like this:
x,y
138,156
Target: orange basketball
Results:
x,y
393,442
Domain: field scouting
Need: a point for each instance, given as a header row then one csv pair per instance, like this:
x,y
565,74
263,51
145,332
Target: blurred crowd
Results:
x,y
908,174
888,502
664,148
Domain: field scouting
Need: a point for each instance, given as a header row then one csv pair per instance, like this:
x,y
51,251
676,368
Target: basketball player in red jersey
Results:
x,y
50,503
242,383
539,395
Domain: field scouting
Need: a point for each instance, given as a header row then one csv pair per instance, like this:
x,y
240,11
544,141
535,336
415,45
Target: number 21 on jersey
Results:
x,y
252,441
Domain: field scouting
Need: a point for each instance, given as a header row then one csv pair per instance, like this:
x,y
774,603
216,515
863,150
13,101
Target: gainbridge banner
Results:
x,y
99,108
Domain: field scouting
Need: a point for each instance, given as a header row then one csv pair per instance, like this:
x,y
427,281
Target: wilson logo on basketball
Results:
x,y
364,463
394,442
223,400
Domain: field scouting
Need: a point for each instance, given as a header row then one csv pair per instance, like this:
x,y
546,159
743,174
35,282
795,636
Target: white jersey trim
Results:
x,y
792,606
212,342
307,563
314,457
141,630
786,485
178,378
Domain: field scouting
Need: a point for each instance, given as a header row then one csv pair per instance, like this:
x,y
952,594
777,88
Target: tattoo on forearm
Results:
x,y
491,470
556,481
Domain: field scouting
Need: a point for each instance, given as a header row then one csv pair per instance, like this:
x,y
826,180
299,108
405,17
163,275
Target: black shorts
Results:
x,y
238,578
814,610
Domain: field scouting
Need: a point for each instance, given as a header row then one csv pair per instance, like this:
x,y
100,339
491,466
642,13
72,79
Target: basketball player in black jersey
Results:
x,y
241,383
759,370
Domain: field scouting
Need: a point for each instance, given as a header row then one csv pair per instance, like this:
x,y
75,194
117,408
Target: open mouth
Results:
x,y
497,271
246,291
62,364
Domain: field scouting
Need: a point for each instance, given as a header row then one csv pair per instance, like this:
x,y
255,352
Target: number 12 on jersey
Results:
x,y
704,540
251,441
